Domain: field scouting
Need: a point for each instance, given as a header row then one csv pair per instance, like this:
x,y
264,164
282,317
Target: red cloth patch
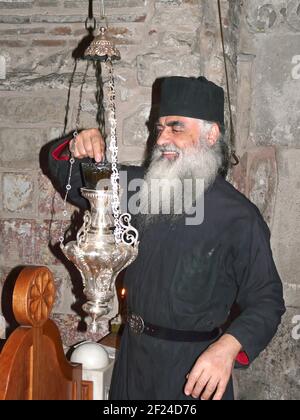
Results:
x,y
243,359
56,154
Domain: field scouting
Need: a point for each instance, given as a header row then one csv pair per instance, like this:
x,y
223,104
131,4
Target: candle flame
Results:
x,y
123,292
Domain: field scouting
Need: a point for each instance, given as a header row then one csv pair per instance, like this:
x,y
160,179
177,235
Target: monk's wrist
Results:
x,y
230,345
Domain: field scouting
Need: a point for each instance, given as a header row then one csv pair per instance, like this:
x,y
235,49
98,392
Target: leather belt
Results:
x,y
138,326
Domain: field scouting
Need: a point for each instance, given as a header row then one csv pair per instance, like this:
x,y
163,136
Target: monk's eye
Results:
x,y
177,129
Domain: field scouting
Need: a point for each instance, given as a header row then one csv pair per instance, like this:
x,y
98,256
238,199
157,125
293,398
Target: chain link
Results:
x,y
114,152
72,159
100,100
68,189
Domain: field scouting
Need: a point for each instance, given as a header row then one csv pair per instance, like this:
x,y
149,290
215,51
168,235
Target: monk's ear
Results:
x,y
213,135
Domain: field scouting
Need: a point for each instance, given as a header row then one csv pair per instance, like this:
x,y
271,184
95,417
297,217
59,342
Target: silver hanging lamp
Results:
x,y
107,242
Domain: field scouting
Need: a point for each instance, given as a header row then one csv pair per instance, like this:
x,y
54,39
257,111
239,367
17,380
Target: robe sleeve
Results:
x,y
260,292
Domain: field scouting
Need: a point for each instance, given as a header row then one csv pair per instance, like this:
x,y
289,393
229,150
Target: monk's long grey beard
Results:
x,y
181,177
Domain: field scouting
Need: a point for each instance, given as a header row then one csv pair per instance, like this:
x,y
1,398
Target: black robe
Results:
x,y
188,278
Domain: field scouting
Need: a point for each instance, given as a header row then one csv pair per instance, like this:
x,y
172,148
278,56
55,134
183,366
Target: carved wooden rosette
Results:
x,y
34,296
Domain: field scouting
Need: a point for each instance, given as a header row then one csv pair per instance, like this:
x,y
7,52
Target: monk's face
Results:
x,y
175,133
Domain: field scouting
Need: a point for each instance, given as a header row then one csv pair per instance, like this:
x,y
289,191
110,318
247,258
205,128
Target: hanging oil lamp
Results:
x,y
107,242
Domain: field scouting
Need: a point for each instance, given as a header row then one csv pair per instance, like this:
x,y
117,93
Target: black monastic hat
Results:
x,y
192,97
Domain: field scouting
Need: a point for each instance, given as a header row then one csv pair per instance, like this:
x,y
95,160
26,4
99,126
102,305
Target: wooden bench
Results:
x,y
33,365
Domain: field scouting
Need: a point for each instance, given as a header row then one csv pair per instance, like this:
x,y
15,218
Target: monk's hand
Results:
x,y
89,143
211,373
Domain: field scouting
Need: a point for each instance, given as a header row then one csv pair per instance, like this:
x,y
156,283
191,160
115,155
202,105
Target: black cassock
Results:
x,y
188,278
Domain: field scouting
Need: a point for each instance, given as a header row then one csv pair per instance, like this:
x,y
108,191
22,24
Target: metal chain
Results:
x,y
72,159
68,188
100,99
114,152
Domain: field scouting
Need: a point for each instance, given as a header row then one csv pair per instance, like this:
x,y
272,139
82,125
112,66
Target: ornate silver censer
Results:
x,y
106,243
97,254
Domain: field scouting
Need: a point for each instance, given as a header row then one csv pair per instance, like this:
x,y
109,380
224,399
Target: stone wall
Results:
x,y
2,326
269,143
156,38
37,39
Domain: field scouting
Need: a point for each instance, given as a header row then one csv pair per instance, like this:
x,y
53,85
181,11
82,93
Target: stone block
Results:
x,y
61,31
244,100
65,298
16,4
2,327
276,99
256,178
16,32
17,242
275,374
135,131
47,234
33,62
132,155
181,16
48,43
286,226
18,194
262,180
134,17
293,15
2,67
179,39
4,271
88,113
127,89
54,61
238,176
48,3
12,20
11,43
29,109
50,202
291,289
121,35
50,81
152,66
55,18
108,3
170,2
59,293
19,148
